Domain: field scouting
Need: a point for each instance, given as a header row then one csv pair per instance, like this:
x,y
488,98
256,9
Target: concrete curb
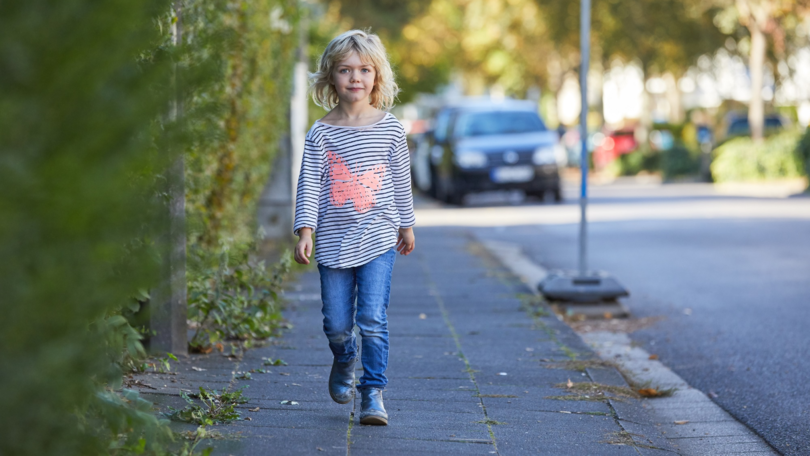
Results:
x,y
689,422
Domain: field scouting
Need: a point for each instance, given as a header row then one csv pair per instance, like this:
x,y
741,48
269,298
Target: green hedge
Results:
x,y
82,87
240,116
803,149
679,161
743,160
84,141
238,121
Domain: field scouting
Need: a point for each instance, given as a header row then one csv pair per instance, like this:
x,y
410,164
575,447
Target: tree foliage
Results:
x,y
518,44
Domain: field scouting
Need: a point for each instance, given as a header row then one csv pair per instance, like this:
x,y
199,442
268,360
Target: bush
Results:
x,y
803,149
85,141
83,85
743,160
235,300
680,161
237,122
635,162
248,49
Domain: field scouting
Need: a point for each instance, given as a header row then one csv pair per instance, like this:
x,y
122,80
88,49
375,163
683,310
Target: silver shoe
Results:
x,y
372,410
341,381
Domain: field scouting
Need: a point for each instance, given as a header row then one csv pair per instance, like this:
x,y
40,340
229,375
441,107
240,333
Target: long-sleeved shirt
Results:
x,y
354,190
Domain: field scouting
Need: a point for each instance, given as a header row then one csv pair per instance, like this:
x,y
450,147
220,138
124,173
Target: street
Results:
x,y
728,274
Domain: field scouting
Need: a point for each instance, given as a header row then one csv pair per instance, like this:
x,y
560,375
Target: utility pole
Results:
x,y
167,306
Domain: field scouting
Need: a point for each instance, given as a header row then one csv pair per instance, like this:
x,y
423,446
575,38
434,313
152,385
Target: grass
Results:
x,y
490,422
573,397
628,439
568,352
581,364
595,392
534,305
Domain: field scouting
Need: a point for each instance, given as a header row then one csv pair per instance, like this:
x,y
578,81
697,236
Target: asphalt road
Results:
x,y
730,274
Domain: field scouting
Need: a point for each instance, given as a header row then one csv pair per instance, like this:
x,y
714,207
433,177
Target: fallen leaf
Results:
x,y
248,419
569,384
649,392
653,357
319,448
681,421
607,315
253,409
422,316
219,346
198,369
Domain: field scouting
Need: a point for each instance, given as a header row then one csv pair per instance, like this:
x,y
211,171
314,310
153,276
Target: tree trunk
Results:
x,y
645,120
756,63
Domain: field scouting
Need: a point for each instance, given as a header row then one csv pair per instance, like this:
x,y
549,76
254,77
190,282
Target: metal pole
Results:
x,y
277,203
585,51
168,312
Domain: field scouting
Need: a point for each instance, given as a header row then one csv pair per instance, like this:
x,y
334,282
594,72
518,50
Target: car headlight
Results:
x,y
471,159
545,155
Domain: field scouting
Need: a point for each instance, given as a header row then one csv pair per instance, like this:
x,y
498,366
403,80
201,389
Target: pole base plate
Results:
x,y
593,288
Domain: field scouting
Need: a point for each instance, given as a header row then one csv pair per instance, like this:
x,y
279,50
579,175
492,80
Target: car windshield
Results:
x,y
498,123
740,126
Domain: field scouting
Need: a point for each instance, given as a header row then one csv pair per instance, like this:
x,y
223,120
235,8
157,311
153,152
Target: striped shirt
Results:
x,y
354,190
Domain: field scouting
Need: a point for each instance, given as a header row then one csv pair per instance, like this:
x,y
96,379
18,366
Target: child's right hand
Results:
x,y
303,249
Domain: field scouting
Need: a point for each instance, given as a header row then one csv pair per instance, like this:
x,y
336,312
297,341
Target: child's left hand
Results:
x,y
406,241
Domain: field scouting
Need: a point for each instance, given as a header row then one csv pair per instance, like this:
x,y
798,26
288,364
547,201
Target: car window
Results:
x,y
497,123
441,128
739,127
773,122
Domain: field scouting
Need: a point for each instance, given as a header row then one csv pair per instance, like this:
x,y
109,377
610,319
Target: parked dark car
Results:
x,y
737,124
487,145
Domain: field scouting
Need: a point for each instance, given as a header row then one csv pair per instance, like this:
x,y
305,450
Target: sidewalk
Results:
x,y
470,372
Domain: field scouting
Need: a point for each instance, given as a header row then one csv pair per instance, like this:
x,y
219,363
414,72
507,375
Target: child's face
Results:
x,y
353,79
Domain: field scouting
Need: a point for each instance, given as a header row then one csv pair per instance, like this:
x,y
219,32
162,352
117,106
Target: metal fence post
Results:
x,y
168,307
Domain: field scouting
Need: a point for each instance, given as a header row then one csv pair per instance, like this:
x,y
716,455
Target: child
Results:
x,y
355,189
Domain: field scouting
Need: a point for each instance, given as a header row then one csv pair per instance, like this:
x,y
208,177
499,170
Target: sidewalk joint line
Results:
x,y
468,368
351,425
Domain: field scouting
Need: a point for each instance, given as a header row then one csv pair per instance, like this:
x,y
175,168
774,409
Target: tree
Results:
x,y
761,19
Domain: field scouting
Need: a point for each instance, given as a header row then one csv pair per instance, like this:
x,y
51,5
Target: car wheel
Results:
x,y
539,194
434,184
558,195
455,198
447,191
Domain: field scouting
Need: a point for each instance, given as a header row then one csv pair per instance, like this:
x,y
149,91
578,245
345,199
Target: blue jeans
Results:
x,y
370,286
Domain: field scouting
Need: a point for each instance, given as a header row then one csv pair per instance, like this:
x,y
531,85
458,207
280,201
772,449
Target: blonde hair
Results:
x,y
370,50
